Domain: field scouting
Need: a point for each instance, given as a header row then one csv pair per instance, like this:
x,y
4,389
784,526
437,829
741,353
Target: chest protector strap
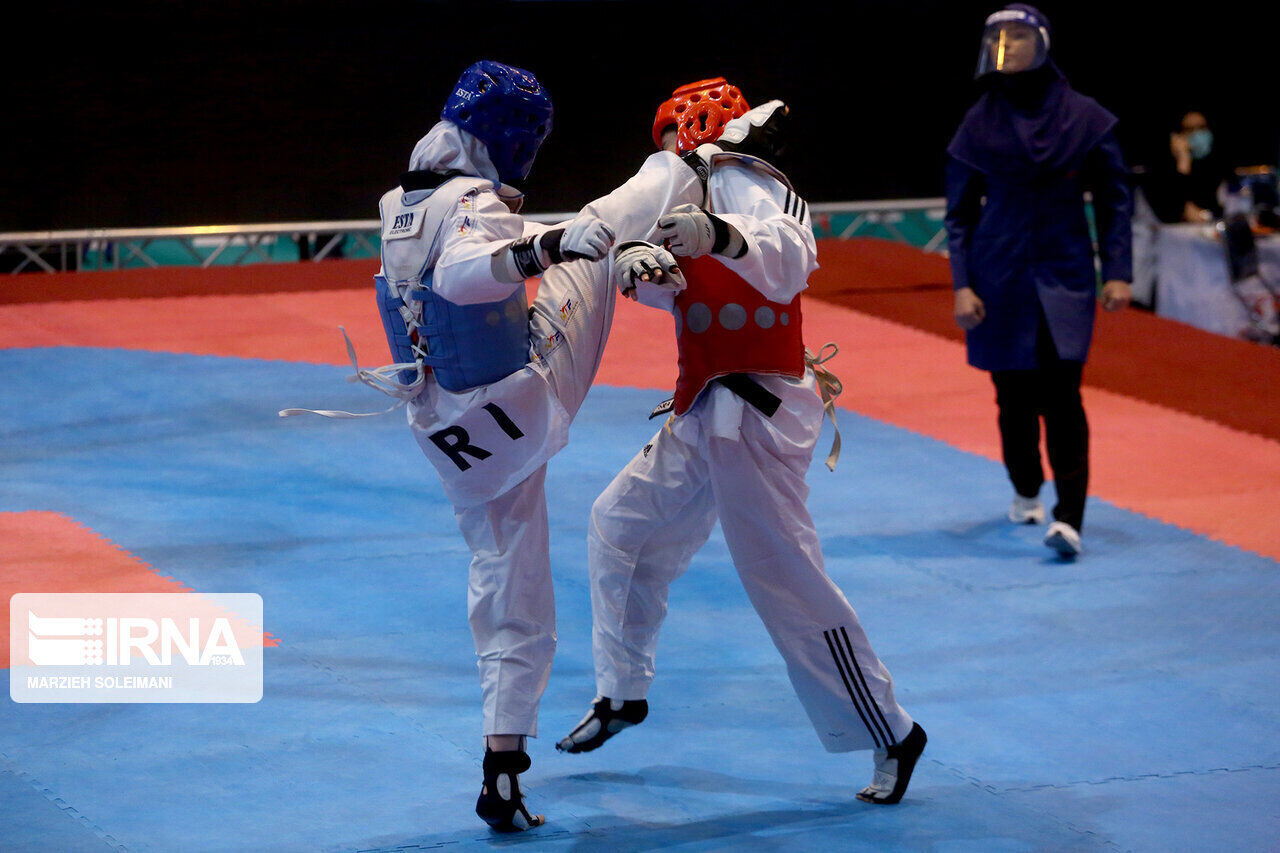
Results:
x,y
830,387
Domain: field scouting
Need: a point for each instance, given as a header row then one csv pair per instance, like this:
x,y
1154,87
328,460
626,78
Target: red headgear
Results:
x,y
699,111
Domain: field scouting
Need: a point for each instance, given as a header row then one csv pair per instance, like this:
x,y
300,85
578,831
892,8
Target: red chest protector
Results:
x,y
724,325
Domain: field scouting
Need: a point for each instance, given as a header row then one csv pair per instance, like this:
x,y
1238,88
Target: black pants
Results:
x,y
1242,250
1051,391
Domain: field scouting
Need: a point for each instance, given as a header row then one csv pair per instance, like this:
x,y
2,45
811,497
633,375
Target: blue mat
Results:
x,y
1124,701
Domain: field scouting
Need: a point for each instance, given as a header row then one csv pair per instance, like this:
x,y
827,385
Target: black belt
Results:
x,y
751,391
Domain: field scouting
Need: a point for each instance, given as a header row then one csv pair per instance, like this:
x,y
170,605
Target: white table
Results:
x,y
1192,280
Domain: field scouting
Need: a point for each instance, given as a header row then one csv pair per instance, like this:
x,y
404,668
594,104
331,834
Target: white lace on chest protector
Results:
x,y
411,224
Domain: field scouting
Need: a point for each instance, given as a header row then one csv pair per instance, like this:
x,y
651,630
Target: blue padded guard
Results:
x,y
467,345
473,345
398,340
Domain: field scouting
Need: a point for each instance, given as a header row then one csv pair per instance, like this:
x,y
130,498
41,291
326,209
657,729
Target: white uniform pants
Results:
x,y
510,603
651,519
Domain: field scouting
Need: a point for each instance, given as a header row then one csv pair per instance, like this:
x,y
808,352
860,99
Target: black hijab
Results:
x,y
1029,122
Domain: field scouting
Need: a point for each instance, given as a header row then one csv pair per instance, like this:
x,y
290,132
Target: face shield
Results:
x,y
1014,41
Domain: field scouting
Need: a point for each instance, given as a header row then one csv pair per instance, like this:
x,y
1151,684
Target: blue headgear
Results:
x,y
507,109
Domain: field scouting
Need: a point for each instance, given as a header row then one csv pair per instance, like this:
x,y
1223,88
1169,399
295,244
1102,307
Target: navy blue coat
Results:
x,y
1020,239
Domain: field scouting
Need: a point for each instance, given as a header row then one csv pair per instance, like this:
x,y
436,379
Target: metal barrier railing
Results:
x,y
916,222
204,245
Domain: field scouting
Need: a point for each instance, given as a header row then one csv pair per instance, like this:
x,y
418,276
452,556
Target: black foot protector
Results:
x,y
893,769
606,718
501,804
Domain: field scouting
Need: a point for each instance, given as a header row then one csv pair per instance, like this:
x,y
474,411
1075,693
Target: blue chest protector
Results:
x,y
465,346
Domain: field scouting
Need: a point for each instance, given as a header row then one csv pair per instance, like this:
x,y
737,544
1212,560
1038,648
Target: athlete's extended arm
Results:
x,y
488,252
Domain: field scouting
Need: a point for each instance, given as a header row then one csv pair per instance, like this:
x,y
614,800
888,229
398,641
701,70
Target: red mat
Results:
x,y
1166,452
49,552
1135,353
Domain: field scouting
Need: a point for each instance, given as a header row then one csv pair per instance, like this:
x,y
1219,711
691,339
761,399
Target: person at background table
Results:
x,y
1190,186
1184,187
1022,258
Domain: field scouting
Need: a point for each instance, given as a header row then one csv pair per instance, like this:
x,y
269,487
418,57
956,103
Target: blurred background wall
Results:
x,y
185,113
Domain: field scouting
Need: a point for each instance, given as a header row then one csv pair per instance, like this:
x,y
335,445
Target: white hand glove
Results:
x,y
759,132
739,128
637,262
688,231
586,237
583,238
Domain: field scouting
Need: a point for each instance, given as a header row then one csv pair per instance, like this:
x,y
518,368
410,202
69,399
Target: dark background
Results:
x,y
184,113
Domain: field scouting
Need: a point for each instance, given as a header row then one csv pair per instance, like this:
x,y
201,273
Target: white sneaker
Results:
x,y
1026,510
1064,539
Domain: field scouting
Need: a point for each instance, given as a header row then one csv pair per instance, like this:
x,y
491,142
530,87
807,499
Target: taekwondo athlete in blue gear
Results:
x,y
491,384
466,346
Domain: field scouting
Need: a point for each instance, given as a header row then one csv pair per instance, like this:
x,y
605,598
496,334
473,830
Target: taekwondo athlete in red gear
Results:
x,y
746,418
491,385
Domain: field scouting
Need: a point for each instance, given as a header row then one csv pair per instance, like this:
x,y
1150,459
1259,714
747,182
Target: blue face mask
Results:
x,y
1200,142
